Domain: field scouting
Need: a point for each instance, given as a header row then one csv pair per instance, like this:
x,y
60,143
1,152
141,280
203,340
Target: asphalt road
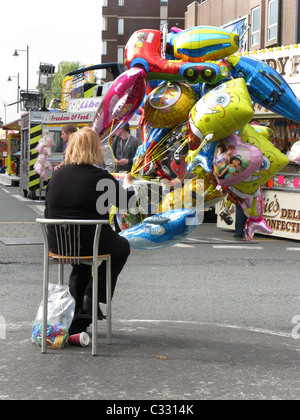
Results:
x,y
221,312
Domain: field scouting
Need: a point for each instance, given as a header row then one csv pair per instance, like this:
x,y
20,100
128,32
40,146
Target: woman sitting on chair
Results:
x,y
74,192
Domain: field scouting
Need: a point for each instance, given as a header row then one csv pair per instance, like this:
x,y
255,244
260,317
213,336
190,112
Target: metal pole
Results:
x,y
18,94
297,21
27,66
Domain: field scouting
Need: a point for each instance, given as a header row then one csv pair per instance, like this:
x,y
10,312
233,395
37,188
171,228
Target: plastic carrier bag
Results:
x,y
61,308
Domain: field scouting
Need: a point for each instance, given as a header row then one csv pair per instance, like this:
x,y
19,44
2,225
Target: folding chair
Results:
x,y
68,246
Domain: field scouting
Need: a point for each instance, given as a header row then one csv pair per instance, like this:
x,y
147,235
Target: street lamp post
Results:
x,y
18,92
16,54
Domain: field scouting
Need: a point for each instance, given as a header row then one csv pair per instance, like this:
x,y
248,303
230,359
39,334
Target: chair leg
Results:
x,y
95,309
60,274
45,303
108,299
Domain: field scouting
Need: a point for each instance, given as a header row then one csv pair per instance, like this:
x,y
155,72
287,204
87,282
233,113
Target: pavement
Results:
x,y
152,361
9,180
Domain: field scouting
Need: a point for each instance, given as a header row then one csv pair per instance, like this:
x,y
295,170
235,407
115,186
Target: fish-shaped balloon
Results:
x,y
162,230
266,86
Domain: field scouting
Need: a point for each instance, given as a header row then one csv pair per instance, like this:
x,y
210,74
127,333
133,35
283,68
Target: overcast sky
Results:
x,y
56,30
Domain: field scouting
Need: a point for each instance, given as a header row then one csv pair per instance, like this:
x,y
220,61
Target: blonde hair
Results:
x,y
84,148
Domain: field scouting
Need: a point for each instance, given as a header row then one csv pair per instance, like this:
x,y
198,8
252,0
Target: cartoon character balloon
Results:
x,y
265,131
273,161
221,112
234,160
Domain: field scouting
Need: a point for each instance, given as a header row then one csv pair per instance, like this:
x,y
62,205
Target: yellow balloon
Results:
x,y
184,197
169,105
267,132
222,111
273,161
212,195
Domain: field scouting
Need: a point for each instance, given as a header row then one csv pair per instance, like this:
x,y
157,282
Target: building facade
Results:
x,y
121,18
269,23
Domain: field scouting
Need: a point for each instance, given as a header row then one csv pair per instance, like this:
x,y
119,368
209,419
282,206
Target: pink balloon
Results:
x,y
235,161
259,205
294,154
120,102
256,225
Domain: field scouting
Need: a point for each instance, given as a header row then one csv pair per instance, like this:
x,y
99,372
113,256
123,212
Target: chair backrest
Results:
x,y
68,237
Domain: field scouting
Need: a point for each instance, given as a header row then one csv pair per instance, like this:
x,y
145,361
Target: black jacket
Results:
x,y
82,192
125,149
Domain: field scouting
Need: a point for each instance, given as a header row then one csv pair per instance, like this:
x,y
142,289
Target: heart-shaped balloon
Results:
x,y
235,160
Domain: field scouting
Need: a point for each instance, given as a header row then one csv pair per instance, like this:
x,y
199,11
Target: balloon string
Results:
x,y
158,152
110,142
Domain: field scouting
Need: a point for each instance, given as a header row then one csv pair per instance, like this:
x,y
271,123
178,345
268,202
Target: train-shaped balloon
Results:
x,y
144,49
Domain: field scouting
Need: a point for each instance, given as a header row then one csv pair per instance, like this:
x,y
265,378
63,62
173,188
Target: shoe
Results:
x,y
88,305
238,235
76,329
227,219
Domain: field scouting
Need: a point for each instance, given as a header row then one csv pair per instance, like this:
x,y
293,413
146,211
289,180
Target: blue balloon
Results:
x,y
162,230
205,157
266,86
156,135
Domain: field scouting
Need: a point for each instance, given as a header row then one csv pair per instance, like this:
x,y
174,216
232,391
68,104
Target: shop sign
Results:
x,y
285,60
281,213
67,118
83,104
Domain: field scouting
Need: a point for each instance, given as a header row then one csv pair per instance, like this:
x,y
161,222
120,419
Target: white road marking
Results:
x,y
38,209
237,247
183,246
18,197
